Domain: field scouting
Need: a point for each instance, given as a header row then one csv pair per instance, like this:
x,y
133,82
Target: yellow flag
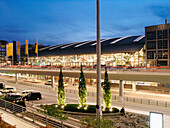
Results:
x,y
18,48
36,46
26,47
10,49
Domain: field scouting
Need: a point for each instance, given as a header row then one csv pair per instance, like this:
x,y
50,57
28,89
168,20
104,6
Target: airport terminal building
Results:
x,y
151,49
115,51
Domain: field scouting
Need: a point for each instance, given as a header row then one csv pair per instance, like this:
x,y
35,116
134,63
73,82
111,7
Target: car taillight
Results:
x,y
14,101
20,99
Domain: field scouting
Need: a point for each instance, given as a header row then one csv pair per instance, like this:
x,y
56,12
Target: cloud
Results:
x,y
160,11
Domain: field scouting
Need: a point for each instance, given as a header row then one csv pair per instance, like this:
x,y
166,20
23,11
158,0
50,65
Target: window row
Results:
x,y
162,44
162,54
162,34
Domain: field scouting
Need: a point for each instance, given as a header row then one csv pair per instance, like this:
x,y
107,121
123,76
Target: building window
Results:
x,y
162,44
151,45
163,54
150,54
151,35
165,34
162,34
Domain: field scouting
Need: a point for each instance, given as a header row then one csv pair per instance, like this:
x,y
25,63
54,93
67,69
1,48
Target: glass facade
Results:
x,y
2,52
127,59
158,44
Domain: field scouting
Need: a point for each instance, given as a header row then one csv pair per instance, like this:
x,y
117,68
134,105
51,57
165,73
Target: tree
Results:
x,y
82,88
107,97
61,92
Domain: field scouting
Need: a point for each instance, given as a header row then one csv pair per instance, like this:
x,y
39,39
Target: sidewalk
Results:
x,y
18,122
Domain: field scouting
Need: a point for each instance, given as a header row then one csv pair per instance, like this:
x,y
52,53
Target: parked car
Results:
x,y
17,99
26,92
14,97
8,90
2,85
33,96
48,82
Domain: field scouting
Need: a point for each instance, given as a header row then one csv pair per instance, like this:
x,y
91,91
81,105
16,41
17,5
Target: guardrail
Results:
x,y
34,116
143,101
135,69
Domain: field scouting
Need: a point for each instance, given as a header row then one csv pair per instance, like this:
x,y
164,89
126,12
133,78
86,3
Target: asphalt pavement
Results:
x,y
50,97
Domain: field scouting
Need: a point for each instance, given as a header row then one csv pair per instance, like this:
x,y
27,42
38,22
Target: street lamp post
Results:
x,y
98,50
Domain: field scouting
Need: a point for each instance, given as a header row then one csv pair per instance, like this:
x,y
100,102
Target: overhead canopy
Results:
x,y
126,44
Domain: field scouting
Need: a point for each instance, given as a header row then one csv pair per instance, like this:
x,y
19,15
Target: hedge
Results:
x,y
90,109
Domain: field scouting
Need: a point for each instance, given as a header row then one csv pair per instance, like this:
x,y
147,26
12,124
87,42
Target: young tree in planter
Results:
x,y
82,89
61,92
107,97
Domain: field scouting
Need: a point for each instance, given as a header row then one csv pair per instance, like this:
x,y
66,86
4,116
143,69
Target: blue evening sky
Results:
x,y
65,21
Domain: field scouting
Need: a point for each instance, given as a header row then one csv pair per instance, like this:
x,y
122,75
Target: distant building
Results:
x,y
31,51
157,40
3,52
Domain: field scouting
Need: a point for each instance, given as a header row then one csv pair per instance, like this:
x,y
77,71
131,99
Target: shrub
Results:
x,y
90,109
53,111
92,122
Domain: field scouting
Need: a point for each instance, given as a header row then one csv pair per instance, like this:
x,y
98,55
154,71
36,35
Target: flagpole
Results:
x,y
37,48
6,55
27,58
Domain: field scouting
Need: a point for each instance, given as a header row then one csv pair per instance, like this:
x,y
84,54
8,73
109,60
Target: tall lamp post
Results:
x,y
98,50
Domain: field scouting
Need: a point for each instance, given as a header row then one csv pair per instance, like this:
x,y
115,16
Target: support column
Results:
x,y
121,90
134,86
52,81
16,77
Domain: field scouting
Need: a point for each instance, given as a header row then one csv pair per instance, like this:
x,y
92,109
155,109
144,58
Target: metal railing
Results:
x,y
34,116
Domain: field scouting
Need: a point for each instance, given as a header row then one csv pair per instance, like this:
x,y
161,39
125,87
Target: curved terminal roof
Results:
x,y
111,45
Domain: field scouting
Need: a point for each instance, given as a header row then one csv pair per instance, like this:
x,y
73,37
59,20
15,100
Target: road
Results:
x,y
160,77
49,97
